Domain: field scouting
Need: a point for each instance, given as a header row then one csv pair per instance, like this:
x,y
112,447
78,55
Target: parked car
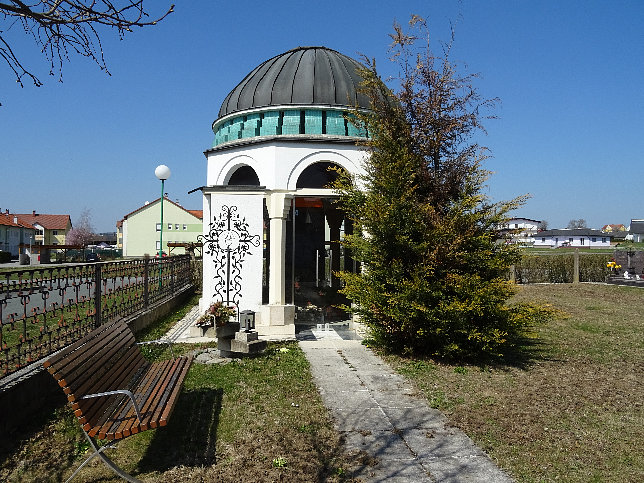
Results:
x,y
92,257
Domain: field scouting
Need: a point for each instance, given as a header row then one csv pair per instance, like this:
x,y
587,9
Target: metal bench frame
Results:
x,y
113,390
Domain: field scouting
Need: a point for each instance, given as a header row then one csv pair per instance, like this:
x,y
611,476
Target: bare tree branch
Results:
x,y
61,27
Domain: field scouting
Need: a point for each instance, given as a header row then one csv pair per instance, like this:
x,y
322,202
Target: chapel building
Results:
x,y
272,229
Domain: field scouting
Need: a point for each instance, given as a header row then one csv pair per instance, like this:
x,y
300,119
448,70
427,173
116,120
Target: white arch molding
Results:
x,y
319,157
233,164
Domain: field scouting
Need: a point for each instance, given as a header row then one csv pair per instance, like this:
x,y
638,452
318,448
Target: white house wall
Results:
x,y
555,242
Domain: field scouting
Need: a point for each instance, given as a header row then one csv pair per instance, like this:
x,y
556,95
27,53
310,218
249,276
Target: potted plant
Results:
x,y
217,315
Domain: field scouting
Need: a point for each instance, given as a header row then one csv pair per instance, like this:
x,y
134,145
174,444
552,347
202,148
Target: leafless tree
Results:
x,y
580,223
61,27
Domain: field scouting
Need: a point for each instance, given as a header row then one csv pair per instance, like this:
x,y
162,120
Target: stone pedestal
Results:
x,y
276,322
232,343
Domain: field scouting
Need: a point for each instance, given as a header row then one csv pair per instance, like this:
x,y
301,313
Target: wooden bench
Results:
x,y
113,390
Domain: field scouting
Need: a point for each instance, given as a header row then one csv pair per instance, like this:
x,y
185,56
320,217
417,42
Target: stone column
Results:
x,y
277,319
278,207
334,217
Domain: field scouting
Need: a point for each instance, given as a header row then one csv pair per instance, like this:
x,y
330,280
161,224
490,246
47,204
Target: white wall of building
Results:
x,y
577,241
278,164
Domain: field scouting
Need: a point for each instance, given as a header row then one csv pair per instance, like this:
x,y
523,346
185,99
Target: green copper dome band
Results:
x,y
286,122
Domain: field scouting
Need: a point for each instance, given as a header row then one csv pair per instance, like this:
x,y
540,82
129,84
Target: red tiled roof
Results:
x,y
49,222
197,213
7,219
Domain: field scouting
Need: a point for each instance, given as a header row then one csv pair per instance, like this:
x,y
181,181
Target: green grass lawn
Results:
x,y
570,412
258,419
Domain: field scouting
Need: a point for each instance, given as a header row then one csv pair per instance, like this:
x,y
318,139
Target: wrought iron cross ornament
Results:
x,y
228,242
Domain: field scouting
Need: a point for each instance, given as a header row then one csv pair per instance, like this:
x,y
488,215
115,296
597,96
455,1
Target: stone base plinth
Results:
x,y
237,344
276,322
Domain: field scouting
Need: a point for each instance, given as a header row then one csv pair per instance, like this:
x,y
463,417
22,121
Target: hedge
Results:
x,y
559,268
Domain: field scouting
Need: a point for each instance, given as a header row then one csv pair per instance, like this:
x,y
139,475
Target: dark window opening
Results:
x,y
318,175
244,176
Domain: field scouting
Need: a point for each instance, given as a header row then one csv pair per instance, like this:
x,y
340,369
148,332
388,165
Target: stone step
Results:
x,y
252,347
246,336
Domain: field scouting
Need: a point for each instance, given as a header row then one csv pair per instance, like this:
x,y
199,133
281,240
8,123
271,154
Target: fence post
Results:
x,y
146,281
575,272
97,295
173,269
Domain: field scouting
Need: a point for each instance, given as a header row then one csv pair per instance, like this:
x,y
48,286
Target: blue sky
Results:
x,y
569,75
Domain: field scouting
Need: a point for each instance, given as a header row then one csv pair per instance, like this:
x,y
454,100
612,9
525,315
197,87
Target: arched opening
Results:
x,y
244,176
319,175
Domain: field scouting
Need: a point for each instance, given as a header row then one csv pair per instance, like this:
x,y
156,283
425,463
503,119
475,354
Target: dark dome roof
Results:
x,y
302,76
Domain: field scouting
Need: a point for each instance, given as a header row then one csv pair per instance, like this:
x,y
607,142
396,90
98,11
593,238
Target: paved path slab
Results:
x,y
378,413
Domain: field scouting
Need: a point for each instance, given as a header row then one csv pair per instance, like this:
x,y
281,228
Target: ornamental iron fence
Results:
x,y
44,309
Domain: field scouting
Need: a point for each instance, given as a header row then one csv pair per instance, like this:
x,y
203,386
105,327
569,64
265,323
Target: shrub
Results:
x,y
559,268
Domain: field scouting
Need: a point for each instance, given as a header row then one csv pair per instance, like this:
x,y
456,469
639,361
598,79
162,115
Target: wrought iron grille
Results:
x,y
43,309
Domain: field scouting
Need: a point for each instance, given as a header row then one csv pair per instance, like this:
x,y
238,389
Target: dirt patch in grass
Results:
x,y
571,413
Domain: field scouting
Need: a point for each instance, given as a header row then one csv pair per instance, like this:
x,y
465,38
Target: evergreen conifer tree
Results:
x,y
434,277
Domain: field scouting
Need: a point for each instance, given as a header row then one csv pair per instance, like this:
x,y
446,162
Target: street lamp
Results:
x,y
162,172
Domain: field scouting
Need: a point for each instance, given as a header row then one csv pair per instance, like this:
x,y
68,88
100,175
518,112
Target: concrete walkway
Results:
x,y
376,411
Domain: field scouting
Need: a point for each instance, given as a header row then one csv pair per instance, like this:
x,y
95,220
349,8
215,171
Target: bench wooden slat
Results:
x,y
105,360
99,355
98,409
154,391
125,418
158,385
66,360
105,363
54,359
101,409
171,399
108,359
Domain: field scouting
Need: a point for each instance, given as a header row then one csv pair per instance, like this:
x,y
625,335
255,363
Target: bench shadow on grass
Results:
x,y
190,437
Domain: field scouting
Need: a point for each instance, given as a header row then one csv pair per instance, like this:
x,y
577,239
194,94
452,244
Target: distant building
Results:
x,y
636,231
575,237
139,230
613,228
50,229
13,232
522,230
119,234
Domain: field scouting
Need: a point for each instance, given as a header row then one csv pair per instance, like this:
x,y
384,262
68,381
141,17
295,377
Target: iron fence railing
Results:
x,y
45,308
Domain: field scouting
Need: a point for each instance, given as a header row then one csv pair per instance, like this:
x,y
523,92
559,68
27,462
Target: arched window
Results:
x,y
244,176
318,175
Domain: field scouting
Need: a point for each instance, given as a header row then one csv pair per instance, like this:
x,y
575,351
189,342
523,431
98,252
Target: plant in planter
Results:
x,y
309,312
216,315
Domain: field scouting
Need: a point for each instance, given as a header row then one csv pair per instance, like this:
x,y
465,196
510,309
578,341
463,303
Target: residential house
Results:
x,y
119,235
140,230
13,232
613,228
575,237
50,229
636,231
522,230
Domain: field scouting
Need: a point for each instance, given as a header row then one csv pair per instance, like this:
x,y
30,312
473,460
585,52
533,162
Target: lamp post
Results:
x,y
162,172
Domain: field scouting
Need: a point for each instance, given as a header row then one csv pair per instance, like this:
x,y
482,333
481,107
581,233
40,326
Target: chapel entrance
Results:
x,y
314,254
